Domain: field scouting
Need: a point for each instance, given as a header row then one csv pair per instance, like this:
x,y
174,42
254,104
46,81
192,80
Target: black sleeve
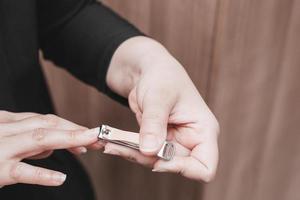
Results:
x,y
81,36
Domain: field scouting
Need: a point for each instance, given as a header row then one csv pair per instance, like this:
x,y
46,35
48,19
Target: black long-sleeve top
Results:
x,y
78,35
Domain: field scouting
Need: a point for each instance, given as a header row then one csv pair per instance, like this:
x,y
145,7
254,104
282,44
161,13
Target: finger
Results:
x,y
156,110
204,144
81,150
187,166
201,165
208,155
38,121
24,173
97,145
42,155
138,157
129,154
27,144
78,150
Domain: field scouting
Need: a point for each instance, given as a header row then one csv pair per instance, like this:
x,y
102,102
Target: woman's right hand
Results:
x,y
35,136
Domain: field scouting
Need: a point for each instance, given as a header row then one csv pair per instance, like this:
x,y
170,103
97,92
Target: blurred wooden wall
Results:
x,y
244,57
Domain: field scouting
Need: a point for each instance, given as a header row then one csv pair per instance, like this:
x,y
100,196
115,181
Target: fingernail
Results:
x,y
149,143
159,170
59,177
82,150
111,152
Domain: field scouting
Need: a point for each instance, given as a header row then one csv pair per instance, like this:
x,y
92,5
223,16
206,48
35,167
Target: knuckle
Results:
x,y
49,119
15,172
39,138
72,136
39,134
38,174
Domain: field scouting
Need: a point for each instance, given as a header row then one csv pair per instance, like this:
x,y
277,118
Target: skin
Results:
x,y
167,105
35,136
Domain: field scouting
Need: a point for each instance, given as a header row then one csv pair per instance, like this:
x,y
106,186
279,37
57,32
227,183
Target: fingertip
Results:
x,y
59,178
82,150
150,144
97,145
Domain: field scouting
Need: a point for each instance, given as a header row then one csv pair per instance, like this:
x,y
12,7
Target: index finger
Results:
x,y
32,142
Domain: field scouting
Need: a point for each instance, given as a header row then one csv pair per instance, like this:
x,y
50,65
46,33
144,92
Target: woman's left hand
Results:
x,y
168,106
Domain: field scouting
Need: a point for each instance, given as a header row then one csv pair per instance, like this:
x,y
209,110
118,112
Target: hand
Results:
x,y
168,106
35,136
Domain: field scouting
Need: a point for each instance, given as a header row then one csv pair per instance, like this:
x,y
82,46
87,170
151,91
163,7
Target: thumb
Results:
x,y
153,130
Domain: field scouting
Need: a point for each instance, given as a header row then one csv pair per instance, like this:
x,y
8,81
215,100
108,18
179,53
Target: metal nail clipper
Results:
x,y
131,140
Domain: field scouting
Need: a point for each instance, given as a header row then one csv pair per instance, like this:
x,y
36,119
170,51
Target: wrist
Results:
x,y
132,59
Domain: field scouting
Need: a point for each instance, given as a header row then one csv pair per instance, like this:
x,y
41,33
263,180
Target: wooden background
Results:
x,y
244,57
